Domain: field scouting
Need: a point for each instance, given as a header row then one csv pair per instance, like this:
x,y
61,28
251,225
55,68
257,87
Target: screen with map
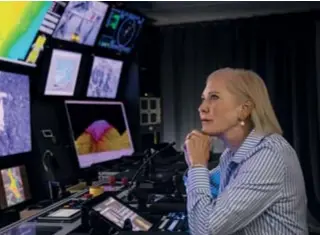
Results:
x,y
63,73
104,78
45,31
81,22
101,134
15,120
14,186
121,30
19,24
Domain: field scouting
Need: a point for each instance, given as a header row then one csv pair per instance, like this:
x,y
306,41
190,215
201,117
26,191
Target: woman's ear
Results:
x,y
246,109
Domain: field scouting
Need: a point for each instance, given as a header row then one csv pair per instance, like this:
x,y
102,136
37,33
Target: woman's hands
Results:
x,y
197,146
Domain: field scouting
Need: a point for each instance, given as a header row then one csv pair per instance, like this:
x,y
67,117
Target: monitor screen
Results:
x,y
99,130
19,26
63,73
47,26
81,22
104,78
117,213
15,121
14,186
121,30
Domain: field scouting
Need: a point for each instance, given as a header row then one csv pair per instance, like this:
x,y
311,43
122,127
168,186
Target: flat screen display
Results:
x,y
99,130
20,22
47,26
63,73
81,22
14,186
15,121
104,78
120,31
117,213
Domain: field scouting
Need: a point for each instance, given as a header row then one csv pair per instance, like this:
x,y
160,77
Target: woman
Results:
x,y
261,188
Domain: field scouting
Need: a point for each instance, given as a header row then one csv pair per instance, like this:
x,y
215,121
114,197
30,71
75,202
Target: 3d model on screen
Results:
x,y
100,136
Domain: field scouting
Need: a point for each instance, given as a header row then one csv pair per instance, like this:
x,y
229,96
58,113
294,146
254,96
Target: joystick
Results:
x,y
127,225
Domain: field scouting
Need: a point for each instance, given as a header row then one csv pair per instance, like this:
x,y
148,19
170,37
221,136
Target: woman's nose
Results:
x,y
203,108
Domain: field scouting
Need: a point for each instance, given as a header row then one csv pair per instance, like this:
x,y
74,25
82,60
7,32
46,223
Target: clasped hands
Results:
x,y
197,145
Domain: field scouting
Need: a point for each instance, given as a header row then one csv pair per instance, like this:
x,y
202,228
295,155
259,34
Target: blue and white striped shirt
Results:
x,y
264,195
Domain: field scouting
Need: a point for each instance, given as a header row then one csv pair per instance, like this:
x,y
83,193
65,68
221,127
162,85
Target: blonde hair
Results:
x,y
248,85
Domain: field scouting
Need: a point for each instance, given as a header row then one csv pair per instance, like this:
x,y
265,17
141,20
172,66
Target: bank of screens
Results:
x,y
14,186
15,121
81,22
99,130
63,73
24,26
104,78
120,31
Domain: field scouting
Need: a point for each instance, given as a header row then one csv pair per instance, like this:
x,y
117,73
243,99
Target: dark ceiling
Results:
x,y
167,13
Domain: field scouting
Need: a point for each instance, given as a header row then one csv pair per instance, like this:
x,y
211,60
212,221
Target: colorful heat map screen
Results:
x,y
19,25
101,134
14,187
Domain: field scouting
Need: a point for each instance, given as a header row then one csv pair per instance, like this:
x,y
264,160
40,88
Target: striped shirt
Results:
x,y
264,194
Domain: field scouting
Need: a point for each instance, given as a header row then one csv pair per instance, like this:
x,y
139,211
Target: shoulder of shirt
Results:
x,y
275,143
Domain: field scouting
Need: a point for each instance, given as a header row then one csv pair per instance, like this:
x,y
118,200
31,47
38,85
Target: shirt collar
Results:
x,y
252,140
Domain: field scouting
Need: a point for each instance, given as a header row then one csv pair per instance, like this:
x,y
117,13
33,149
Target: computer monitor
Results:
x,y
81,22
19,25
63,73
14,186
99,130
15,121
121,30
104,78
46,29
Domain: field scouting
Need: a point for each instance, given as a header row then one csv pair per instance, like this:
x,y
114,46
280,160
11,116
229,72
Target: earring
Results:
x,y
242,123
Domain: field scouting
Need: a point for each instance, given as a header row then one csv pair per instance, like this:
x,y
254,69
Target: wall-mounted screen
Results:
x,y
47,26
63,73
121,30
19,24
15,124
81,22
104,78
101,133
14,186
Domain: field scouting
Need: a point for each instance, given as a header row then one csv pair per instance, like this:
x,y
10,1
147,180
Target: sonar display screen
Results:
x,y
63,73
19,24
46,29
101,133
81,22
14,186
15,123
121,30
104,78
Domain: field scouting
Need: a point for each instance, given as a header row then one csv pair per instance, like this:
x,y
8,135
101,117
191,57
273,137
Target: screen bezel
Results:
x,y
26,187
95,41
125,205
82,102
50,67
119,80
135,44
28,71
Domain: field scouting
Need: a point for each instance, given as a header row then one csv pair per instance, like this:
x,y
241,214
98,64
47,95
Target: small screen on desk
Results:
x,y
117,213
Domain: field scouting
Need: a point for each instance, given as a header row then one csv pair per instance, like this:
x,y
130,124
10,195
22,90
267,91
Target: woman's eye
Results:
x,y
214,97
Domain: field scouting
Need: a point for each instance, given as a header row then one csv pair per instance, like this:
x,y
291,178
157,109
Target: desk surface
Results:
x,y
28,226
